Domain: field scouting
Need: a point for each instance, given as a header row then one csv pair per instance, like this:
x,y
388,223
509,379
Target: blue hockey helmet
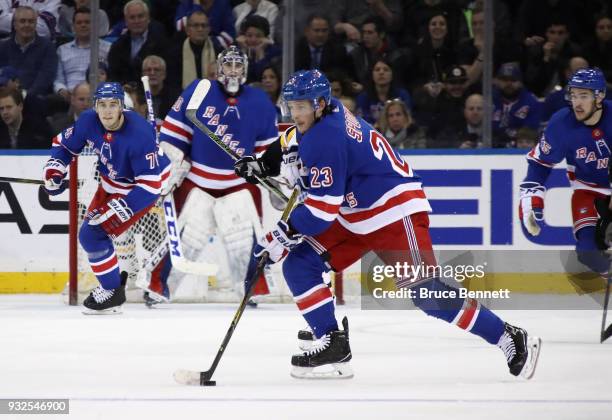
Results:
x,y
309,85
590,78
109,90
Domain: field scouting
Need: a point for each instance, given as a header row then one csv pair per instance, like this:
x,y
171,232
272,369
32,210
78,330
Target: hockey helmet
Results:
x,y
236,58
109,90
309,85
591,78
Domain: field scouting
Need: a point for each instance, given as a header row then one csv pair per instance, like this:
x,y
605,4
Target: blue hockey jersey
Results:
x,y
130,161
586,150
508,117
354,176
246,123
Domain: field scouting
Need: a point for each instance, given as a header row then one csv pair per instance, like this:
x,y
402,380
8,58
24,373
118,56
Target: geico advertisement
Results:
x,y
474,201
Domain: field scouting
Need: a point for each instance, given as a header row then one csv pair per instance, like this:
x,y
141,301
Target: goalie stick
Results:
x,y
198,96
173,245
189,377
27,180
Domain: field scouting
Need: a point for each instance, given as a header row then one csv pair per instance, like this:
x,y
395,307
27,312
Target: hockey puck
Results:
x,y
208,383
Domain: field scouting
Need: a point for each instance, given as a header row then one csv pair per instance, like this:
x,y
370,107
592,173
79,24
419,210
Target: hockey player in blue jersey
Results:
x,y
360,196
132,173
581,136
224,205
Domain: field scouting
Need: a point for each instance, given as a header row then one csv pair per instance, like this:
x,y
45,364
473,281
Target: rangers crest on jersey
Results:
x,y
544,146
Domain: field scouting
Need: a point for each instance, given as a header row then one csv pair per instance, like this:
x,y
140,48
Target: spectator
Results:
x,y
303,10
196,53
341,85
18,130
102,73
513,106
66,19
349,103
45,22
73,57
80,100
599,51
379,88
433,53
317,50
31,104
438,106
555,100
545,61
419,13
163,94
33,56
374,44
255,42
399,128
220,15
137,101
263,8
470,53
469,134
143,37
355,12
526,138
271,84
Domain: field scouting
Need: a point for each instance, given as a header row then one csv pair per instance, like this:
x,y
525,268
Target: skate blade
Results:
x,y
109,311
187,377
337,371
534,345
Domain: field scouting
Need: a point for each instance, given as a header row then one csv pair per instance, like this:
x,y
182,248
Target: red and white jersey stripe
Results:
x,y
177,130
401,201
208,177
105,266
579,184
151,183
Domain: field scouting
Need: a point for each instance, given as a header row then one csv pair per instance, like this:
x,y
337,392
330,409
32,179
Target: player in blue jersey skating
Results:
x,y
360,196
132,172
217,206
581,136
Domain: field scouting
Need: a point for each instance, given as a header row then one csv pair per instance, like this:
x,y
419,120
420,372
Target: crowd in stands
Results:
x,y
413,68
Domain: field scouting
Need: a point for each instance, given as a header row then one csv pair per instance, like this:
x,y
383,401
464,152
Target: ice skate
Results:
x,y
106,302
521,351
151,297
306,338
327,359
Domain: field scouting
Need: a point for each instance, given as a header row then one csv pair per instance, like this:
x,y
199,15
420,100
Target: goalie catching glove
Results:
x,y
278,242
54,173
110,216
531,207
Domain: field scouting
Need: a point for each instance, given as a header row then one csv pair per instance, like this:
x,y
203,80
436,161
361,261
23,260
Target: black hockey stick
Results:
x,y
188,377
192,107
26,180
606,332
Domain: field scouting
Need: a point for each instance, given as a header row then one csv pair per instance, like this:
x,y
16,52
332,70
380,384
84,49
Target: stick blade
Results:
x,y
195,267
192,378
607,333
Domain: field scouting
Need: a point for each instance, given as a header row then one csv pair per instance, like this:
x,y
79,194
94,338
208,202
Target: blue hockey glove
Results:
x,y
54,173
531,207
277,242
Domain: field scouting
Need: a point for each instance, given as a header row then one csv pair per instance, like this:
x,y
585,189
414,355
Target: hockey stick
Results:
x,y
177,257
189,377
606,332
26,180
198,96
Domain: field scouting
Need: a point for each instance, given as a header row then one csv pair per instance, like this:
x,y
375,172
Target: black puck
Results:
x,y
208,383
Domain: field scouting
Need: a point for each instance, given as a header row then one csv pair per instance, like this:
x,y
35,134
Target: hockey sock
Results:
x,y
101,255
587,251
303,270
436,299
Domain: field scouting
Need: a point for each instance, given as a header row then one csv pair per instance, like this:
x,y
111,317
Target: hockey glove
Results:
x,y
531,207
292,170
111,216
602,236
248,166
278,242
54,173
179,168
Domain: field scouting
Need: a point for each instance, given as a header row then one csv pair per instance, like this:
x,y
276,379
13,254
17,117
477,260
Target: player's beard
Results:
x,y
594,109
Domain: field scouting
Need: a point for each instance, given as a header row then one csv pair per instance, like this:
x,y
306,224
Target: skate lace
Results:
x,y
319,345
506,344
101,295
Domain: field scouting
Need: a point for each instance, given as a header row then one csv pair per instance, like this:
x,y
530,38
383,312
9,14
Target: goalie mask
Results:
x,y
232,67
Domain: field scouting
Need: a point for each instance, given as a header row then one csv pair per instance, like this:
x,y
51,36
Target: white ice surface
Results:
x,y
407,365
